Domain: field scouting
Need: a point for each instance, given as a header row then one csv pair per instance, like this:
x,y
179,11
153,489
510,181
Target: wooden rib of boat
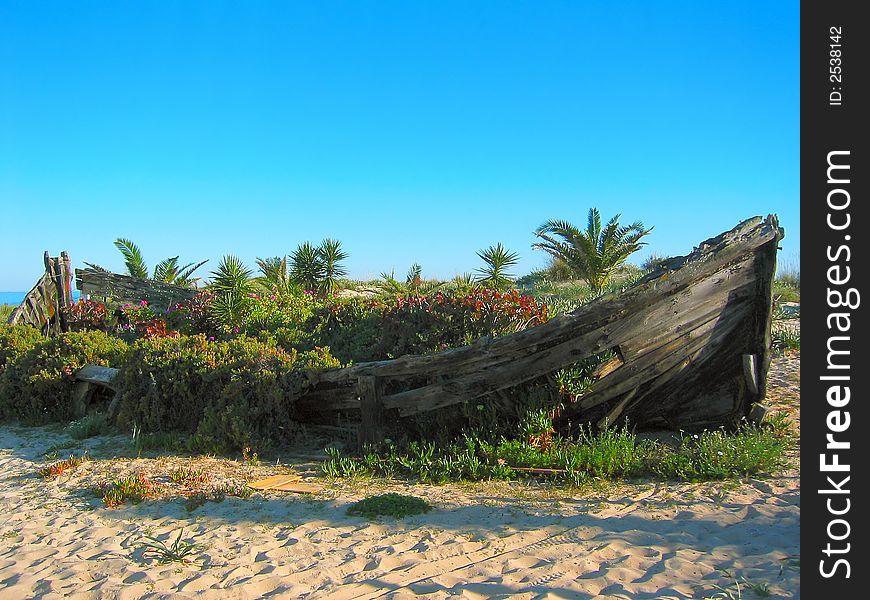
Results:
x,y
691,343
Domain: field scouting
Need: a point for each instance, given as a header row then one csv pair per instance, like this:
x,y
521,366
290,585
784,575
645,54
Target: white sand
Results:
x,y
488,540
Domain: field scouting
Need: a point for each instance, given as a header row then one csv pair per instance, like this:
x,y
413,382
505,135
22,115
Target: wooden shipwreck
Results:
x,y
692,345
691,342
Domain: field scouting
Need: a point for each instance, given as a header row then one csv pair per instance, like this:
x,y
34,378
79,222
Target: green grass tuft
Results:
x,y
178,551
390,505
134,488
90,426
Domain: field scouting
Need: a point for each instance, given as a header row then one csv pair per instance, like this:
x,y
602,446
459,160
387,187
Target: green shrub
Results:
x,y
270,312
785,338
785,292
37,387
609,454
230,395
6,311
351,329
134,488
720,455
193,316
391,505
15,340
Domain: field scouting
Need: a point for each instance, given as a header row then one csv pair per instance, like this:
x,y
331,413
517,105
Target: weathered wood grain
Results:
x,y
123,288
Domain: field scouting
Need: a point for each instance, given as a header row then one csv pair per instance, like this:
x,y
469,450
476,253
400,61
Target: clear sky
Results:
x,y
410,131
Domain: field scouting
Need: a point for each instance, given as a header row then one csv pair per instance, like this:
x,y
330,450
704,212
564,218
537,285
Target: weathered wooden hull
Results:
x,y
692,341
43,305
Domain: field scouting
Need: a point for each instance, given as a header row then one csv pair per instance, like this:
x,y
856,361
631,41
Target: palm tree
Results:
x,y
168,271
232,284
414,284
306,268
331,255
275,275
494,274
465,283
414,278
318,269
596,253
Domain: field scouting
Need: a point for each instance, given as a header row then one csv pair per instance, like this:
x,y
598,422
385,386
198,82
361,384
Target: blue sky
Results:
x,y
411,131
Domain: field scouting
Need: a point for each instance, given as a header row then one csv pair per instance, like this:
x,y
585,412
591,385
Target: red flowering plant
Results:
x,y
132,313
138,320
193,315
86,315
154,328
424,324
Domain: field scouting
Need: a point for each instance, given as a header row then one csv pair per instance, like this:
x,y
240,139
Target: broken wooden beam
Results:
x,y
372,414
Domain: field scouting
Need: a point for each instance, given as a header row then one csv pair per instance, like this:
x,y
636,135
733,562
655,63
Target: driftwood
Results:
x,y
123,288
43,305
692,341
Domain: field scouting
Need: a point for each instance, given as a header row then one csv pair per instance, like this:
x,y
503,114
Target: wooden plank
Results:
x,y
372,417
285,483
318,401
273,481
607,367
124,288
81,396
96,374
611,417
539,470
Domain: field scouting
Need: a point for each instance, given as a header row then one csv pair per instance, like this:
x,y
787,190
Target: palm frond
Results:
x,y
184,273
275,275
231,275
166,270
133,258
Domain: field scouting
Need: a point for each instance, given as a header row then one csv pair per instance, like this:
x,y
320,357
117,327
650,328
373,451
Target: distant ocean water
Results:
x,y
18,297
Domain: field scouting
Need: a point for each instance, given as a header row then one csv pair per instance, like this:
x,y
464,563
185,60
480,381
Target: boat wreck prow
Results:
x,y
691,342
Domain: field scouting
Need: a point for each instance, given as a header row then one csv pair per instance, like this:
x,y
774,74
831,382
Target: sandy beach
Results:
x,y
485,540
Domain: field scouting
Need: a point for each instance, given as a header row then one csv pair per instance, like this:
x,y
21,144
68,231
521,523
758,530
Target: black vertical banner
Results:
x,y
835,421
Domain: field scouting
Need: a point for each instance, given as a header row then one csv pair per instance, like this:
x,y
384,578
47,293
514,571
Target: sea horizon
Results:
x,y
18,297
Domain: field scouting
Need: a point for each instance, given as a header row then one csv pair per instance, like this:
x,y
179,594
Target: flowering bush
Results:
x,y
360,330
278,317
154,328
129,315
87,314
194,315
424,324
